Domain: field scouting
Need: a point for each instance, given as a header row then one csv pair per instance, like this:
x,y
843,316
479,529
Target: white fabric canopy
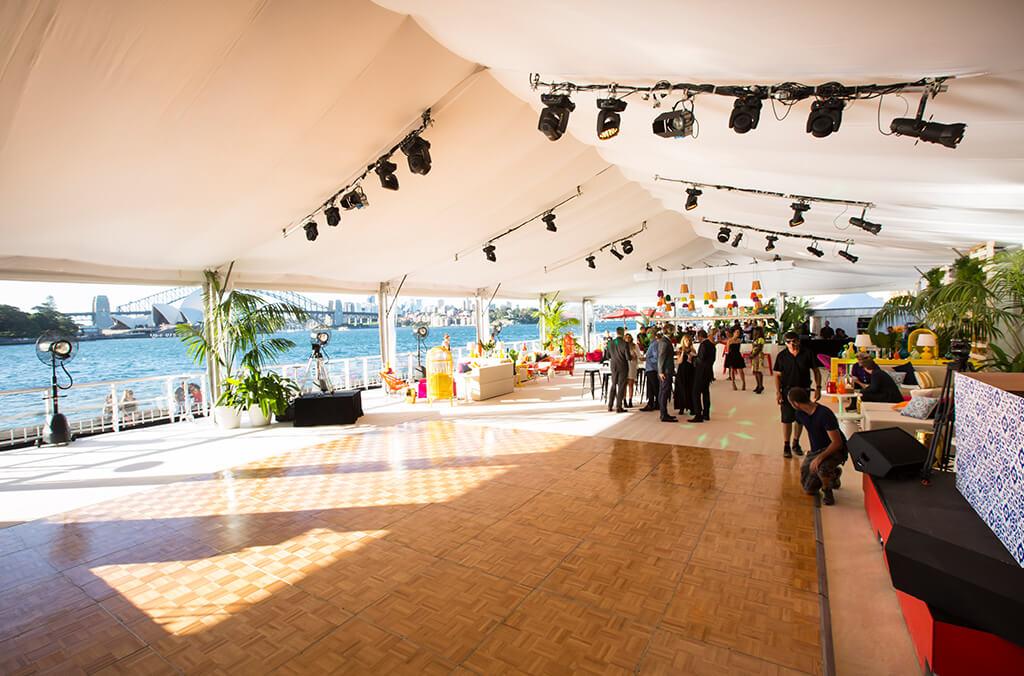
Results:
x,y
146,141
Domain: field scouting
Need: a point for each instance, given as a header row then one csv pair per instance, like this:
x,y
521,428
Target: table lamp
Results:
x,y
863,342
925,342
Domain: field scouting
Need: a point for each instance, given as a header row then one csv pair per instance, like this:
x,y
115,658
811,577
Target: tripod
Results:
x,y
316,370
942,431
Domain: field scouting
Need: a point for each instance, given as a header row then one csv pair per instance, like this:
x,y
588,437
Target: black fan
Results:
x,y
56,349
422,331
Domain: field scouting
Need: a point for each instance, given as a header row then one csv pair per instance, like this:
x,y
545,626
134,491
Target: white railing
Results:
x,y
115,405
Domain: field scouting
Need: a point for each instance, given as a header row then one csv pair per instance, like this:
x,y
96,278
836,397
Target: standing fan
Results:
x,y
56,349
422,331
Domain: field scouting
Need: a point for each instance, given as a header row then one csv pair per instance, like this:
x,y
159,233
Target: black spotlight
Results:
x,y
746,111
948,135
549,221
674,124
776,258
627,247
736,240
554,119
489,253
813,249
386,172
417,150
356,199
311,231
772,239
590,263
859,222
691,198
333,215
798,213
826,116
649,268
608,118
723,235
849,256
617,254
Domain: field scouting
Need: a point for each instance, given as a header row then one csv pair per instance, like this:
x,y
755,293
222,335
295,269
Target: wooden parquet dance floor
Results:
x,y
429,548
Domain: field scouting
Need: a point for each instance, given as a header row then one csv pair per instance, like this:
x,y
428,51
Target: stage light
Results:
x,y
948,135
489,253
746,111
590,263
333,215
627,247
311,231
825,118
691,198
776,258
386,173
356,199
736,240
772,239
608,118
674,124
859,222
417,150
554,119
849,256
649,268
549,221
617,254
723,235
798,213
814,250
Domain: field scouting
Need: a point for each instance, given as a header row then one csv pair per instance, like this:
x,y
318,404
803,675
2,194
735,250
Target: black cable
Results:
x,y
71,381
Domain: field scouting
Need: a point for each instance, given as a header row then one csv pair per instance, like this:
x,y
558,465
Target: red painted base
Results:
x,y
945,649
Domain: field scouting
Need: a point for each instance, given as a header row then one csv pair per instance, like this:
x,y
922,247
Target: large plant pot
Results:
x,y
227,417
256,417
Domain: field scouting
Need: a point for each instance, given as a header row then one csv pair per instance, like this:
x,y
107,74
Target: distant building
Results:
x,y
101,318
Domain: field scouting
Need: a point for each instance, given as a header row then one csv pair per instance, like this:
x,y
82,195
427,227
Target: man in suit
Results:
x,y
651,372
666,374
703,374
618,359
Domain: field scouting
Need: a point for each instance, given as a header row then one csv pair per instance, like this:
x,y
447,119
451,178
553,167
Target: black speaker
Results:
x,y
887,453
334,408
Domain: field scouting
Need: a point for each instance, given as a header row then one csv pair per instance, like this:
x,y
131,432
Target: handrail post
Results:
x,y
366,373
169,392
348,374
115,417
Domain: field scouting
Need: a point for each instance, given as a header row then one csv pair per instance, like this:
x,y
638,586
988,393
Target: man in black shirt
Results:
x,y
793,367
827,332
703,374
821,468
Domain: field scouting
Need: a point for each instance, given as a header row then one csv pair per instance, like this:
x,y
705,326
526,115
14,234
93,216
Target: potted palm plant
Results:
x,y
552,314
241,325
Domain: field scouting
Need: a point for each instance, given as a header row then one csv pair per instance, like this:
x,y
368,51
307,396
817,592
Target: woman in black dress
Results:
x,y
734,360
683,396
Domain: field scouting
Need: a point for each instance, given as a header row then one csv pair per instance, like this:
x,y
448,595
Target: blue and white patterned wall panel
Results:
x,y
990,458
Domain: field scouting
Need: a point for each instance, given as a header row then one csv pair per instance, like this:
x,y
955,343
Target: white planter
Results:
x,y
256,417
227,417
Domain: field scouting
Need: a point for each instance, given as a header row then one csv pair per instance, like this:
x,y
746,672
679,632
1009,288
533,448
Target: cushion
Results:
x,y
925,380
920,407
930,392
900,406
897,376
908,368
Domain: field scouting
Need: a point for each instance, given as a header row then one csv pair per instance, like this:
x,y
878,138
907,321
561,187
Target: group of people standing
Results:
x,y
683,362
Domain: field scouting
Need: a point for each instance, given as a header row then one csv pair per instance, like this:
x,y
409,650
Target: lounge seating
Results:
x,y
392,383
565,364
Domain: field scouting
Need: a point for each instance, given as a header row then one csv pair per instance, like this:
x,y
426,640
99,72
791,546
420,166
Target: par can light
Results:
x,y
798,213
608,118
356,199
691,198
489,253
723,235
549,221
311,231
674,124
590,263
627,247
333,215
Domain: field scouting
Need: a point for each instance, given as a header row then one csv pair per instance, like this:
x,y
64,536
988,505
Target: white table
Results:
x,y
849,422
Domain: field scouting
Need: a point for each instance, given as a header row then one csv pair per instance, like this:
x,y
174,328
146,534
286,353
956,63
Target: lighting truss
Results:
x,y
589,256
766,193
774,235
382,166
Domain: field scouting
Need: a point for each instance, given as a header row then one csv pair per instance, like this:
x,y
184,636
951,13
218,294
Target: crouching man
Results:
x,y
821,468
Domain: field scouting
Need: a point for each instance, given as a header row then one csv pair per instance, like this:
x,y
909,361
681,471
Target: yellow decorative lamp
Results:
x,y
755,285
863,342
926,343
684,288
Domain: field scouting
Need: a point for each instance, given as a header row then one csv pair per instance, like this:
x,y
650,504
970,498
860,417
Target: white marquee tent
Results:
x,y
146,141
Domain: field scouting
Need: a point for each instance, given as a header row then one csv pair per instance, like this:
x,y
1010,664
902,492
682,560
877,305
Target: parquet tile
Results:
x,y
447,608
767,620
425,548
515,551
670,654
552,634
358,647
620,579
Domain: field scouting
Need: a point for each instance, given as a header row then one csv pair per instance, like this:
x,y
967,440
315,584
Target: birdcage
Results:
x,y
440,383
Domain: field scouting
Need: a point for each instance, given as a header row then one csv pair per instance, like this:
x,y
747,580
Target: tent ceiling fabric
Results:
x,y
148,141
